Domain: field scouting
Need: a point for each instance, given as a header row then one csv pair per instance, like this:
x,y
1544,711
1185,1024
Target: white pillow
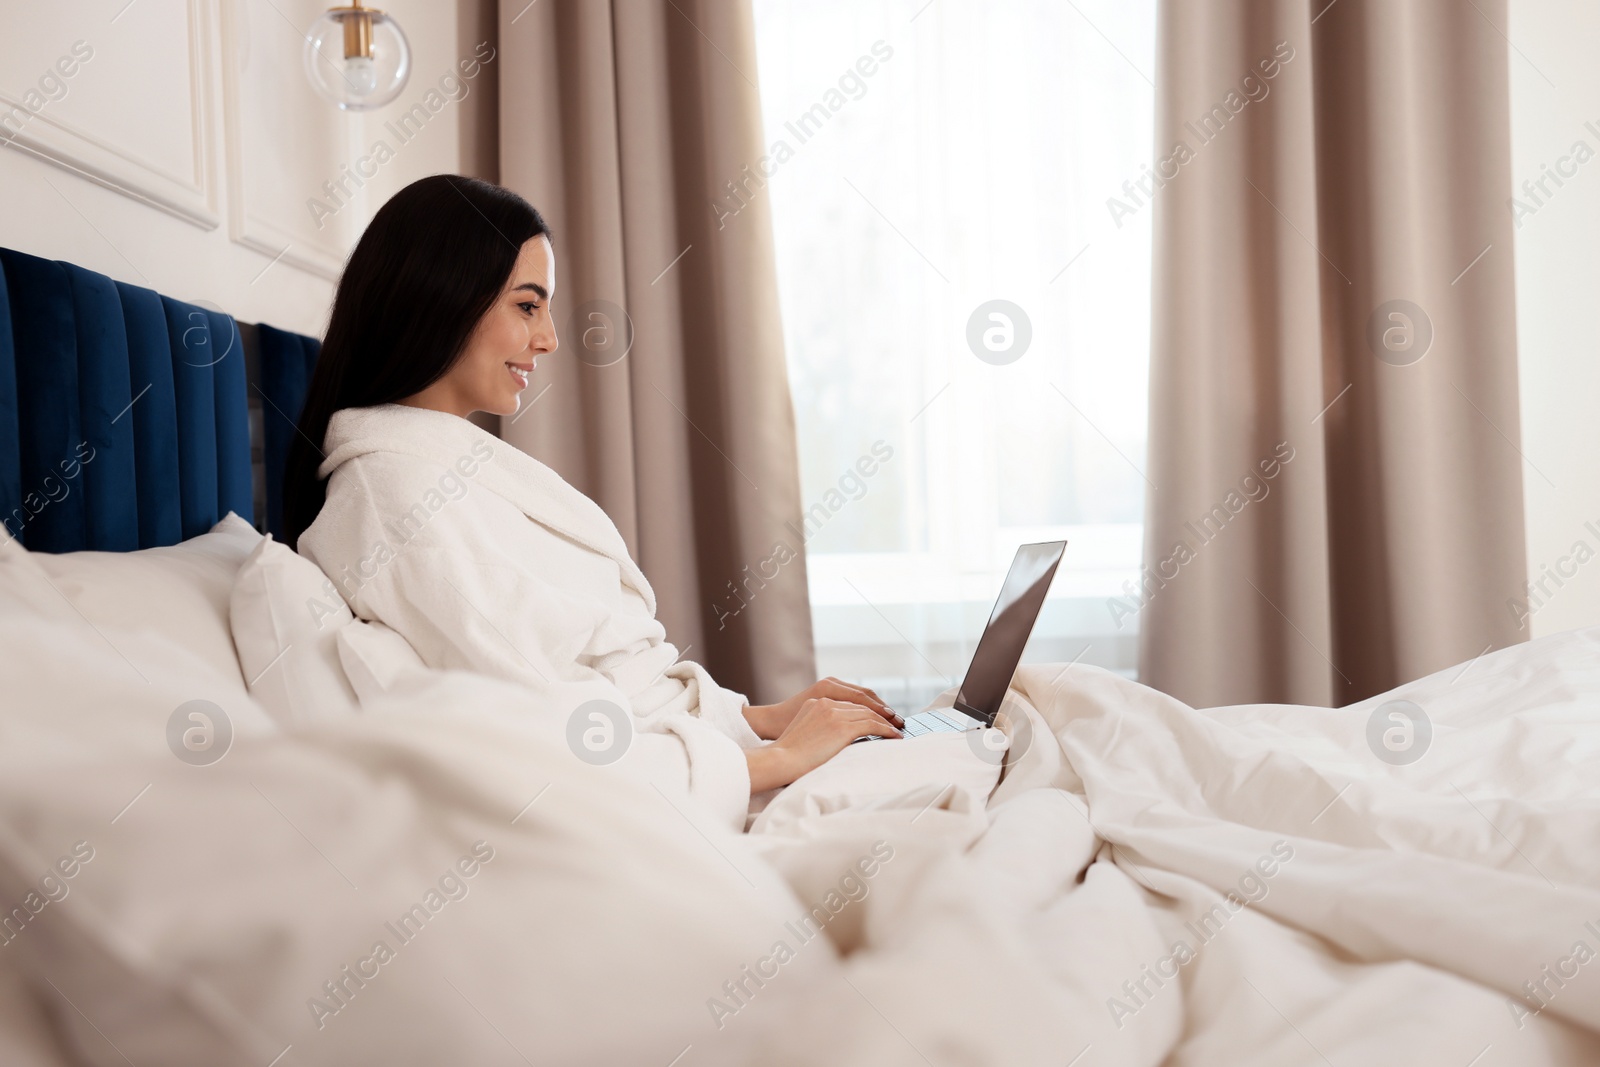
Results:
x,y
76,693
178,592
375,658
285,614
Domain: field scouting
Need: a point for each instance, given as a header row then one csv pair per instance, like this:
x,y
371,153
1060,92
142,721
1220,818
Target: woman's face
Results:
x,y
507,342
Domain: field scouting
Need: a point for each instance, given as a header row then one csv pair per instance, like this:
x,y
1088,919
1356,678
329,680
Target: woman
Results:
x,y
423,520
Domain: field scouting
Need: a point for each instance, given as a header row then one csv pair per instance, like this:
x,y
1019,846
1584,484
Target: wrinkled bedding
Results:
x,y
1144,884
1249,885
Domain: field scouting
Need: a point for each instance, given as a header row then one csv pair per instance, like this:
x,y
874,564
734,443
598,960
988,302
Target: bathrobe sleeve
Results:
x,y
500,621
722,708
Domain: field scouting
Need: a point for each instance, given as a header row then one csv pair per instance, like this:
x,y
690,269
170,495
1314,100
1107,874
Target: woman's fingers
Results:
x,y
857,694
857,691
877,724
863,720
824,727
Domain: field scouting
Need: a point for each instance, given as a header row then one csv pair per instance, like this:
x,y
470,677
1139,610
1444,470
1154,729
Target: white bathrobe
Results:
x,y
487,560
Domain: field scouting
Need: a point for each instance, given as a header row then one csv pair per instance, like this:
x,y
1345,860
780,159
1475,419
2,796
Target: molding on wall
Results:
x,y
191,197
275,238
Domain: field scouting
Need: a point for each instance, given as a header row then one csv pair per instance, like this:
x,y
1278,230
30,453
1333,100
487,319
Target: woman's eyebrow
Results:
x,y
539,289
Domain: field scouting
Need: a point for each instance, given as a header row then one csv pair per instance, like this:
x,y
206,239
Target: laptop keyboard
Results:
x,y
932,722
944,721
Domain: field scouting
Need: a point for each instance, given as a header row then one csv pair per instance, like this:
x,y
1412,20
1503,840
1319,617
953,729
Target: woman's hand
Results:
x,y
770,720
817,733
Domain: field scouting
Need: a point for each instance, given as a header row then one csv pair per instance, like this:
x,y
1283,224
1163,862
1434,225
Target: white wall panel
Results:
x,y
283,141
181,155
65,79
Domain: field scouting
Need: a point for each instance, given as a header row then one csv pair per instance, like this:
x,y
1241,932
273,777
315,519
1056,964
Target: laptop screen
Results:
x,y
1010,624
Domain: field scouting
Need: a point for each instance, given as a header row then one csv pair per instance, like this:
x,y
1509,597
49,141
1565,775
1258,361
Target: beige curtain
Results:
x,y
622,121
1337,501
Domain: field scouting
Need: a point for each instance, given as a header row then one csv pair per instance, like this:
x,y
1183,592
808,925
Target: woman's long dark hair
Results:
x,y
428,268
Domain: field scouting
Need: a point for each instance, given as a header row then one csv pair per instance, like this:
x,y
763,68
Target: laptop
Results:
x,y
999,649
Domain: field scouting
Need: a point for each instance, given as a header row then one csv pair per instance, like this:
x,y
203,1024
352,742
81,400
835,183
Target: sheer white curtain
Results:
x,y
925,159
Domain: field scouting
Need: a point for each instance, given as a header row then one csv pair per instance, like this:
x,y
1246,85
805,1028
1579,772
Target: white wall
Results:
x,y
181,154
1555,96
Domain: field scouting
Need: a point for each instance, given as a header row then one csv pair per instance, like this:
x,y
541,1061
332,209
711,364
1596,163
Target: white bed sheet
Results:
x,y
1030,923
1405,908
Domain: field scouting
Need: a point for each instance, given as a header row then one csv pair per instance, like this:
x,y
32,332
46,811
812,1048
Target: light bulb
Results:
x,y
357,57
362,75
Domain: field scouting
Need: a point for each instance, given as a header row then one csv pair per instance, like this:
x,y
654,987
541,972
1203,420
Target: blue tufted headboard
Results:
x,y
129,419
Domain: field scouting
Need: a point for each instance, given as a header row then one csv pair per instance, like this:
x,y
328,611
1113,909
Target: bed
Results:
x,y
240,827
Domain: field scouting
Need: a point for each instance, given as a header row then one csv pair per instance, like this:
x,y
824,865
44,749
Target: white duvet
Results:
x,y
1148,884
1250,885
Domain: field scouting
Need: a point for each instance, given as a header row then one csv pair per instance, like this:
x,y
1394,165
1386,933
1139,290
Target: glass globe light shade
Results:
x,y
357,57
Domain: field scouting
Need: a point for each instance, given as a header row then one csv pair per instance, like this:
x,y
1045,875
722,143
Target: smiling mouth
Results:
x,y
521,374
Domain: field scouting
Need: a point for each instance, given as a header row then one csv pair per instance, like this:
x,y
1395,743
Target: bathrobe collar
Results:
x,y
440,437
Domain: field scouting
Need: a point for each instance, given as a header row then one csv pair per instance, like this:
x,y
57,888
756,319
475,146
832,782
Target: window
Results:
x,y
926,159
